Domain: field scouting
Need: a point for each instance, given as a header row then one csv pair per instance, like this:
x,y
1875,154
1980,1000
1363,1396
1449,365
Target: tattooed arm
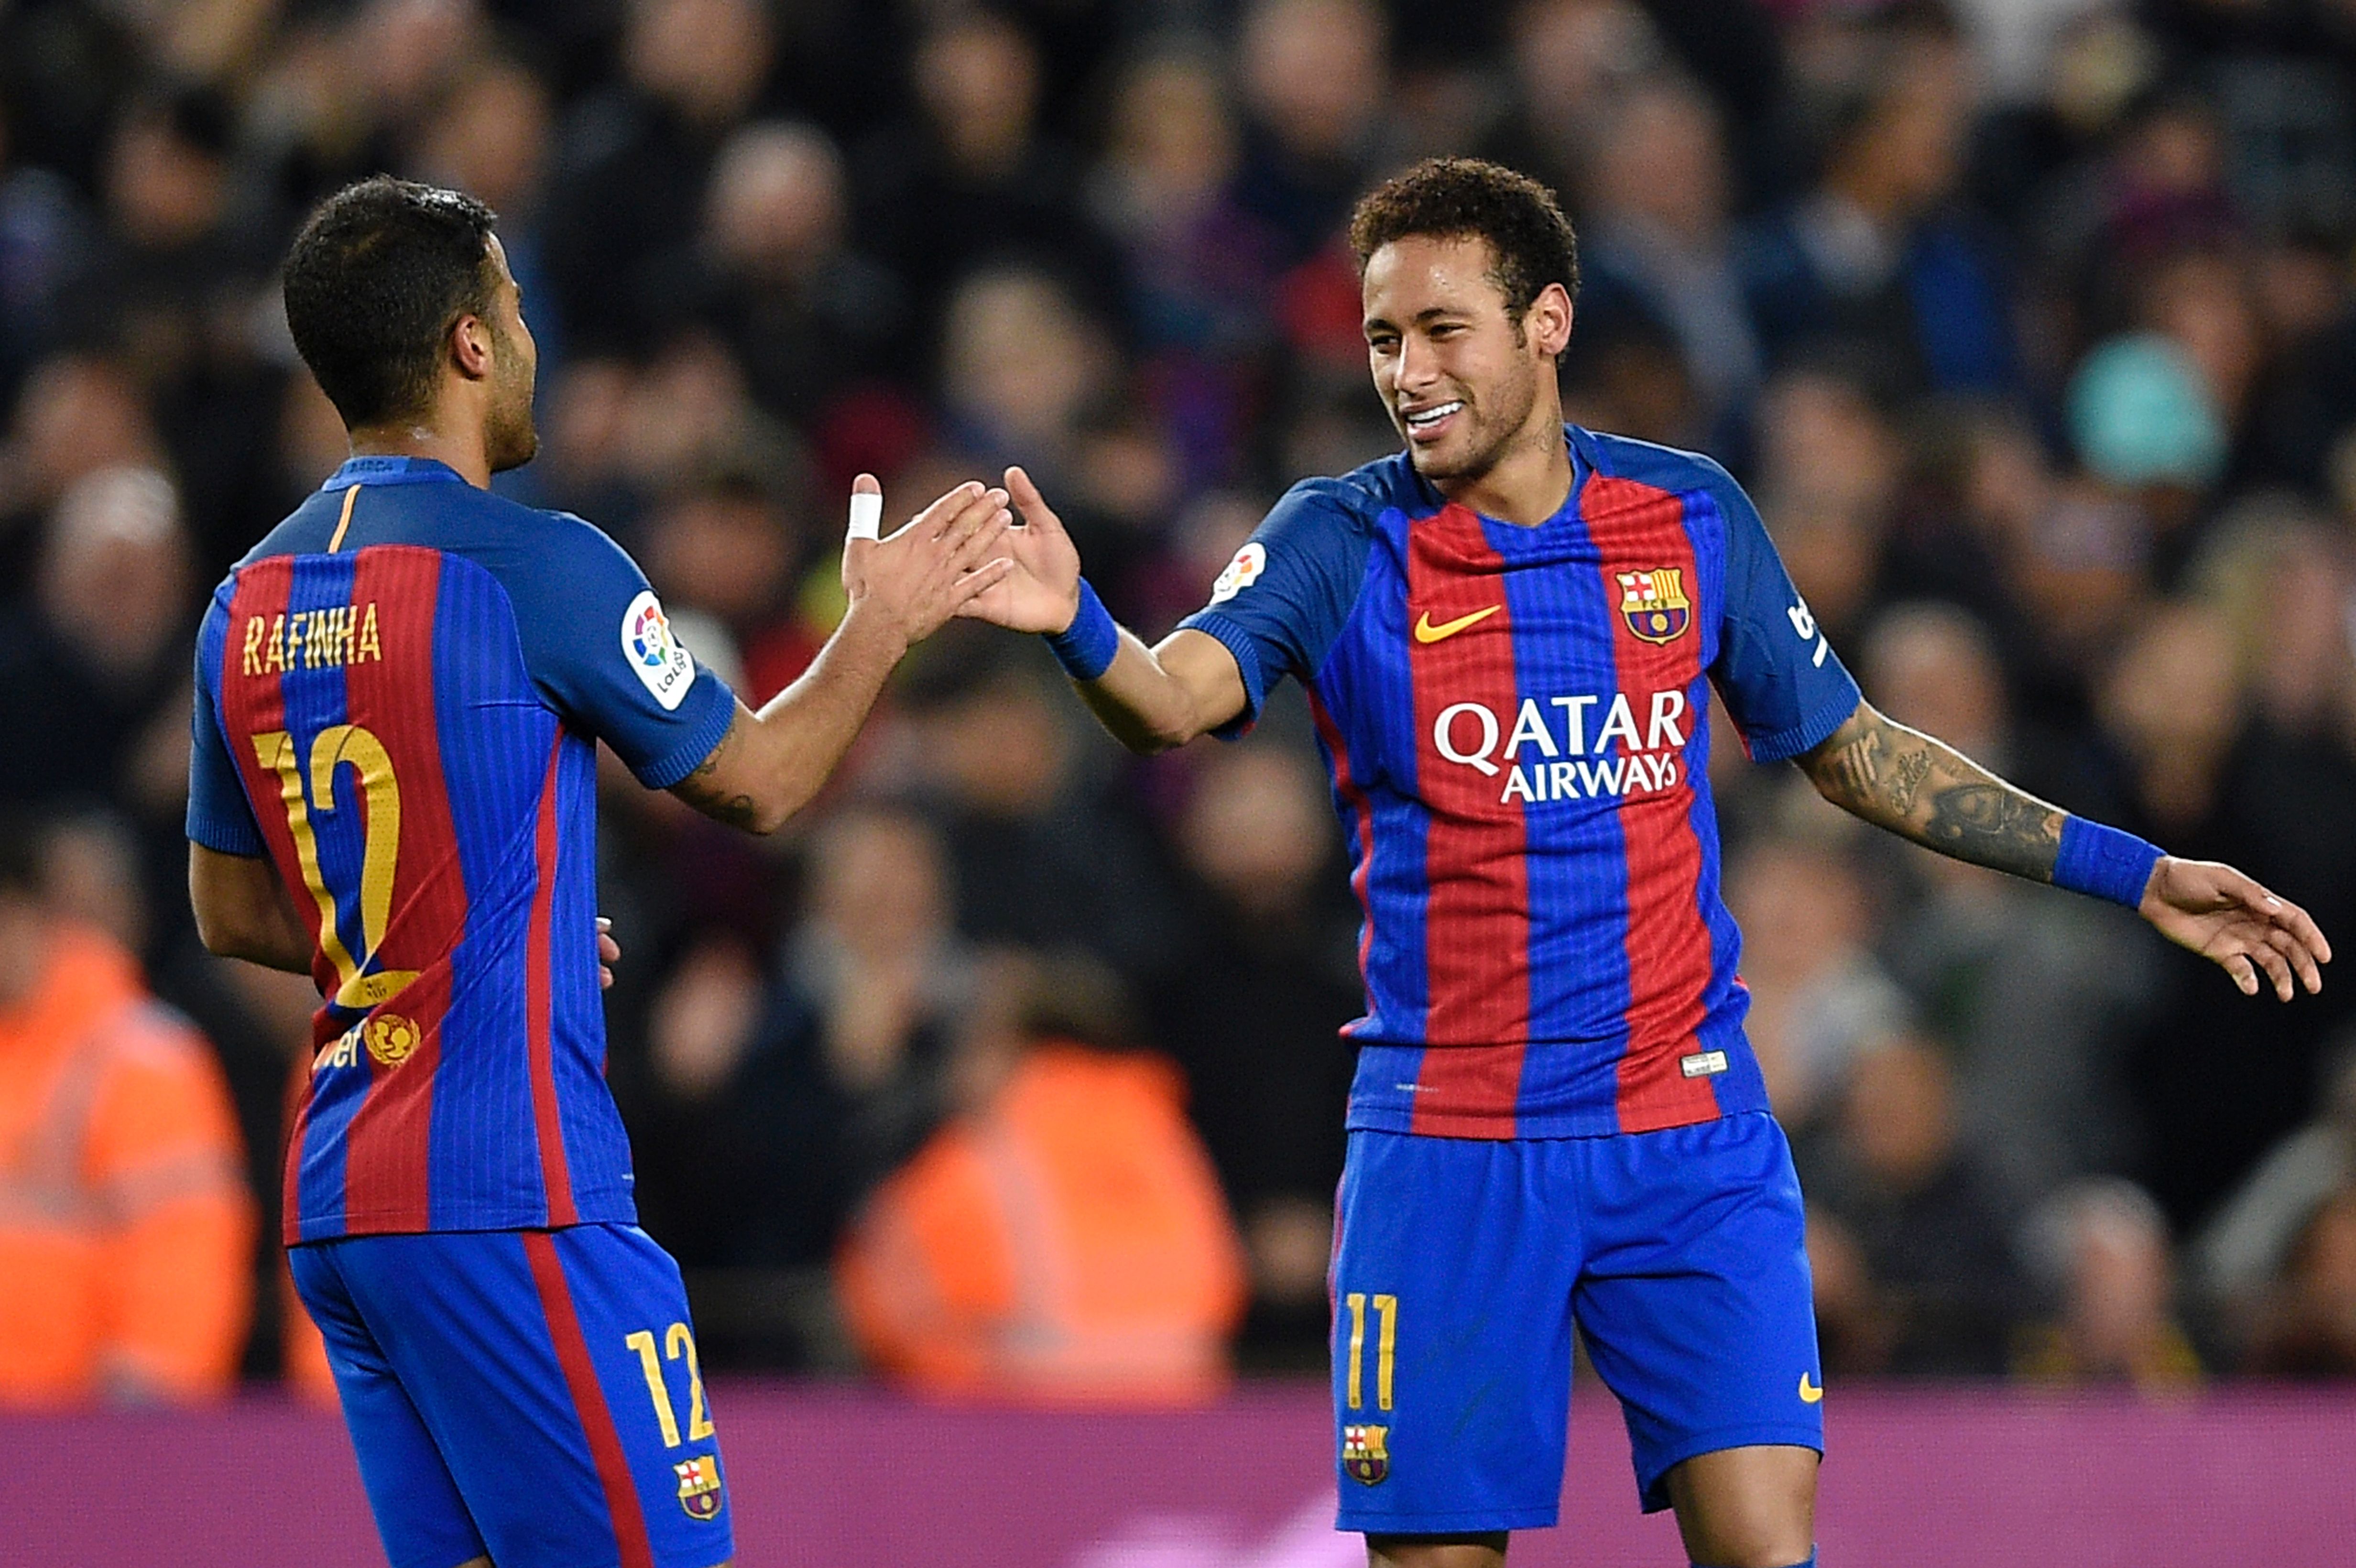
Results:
x,y
1922,789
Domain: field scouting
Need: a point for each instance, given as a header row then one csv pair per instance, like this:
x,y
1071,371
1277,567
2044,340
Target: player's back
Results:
x,y
408,677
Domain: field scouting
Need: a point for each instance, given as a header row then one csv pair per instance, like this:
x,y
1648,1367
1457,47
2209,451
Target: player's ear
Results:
x,y
472,347
1548,320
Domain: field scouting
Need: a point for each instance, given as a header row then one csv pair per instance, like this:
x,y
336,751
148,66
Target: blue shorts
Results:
x,y
1460,1267
530,1394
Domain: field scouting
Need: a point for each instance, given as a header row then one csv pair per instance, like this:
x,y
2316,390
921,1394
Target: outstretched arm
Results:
x,y
772,763
1921,788
1151,699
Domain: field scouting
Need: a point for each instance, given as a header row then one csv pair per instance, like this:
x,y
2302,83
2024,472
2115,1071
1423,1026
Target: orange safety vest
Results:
x,y
1068,1244
126,1230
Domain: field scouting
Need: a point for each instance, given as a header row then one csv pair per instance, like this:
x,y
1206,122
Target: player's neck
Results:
x,y
1527,484
426,438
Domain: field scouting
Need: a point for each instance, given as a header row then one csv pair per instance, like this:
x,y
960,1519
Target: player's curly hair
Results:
x,y
379,273
1467,198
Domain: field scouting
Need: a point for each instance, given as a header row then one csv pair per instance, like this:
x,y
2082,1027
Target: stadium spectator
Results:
x,y
2038,995
1915,1273
2100,1248
1063,1239
1315,79
125,1226
1819,997
2309,1328
1656,248
1875,267
1252,1014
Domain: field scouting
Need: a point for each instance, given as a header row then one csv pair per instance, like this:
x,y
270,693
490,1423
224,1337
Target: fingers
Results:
x,y
979,581
2243,972
866,508
2277,970
936,519
2295,954
1036,513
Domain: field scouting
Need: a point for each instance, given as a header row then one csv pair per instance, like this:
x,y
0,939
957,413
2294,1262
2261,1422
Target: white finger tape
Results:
x,y
866,514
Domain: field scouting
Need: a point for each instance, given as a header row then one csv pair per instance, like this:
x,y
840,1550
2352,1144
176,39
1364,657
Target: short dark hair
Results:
x,y
1463,198
380,272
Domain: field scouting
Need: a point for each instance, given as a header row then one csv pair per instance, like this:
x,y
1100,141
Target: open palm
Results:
x,y
2222,915
1043,591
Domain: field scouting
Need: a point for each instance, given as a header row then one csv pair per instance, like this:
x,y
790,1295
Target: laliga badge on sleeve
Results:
x,y
866,514
1241,572
655,655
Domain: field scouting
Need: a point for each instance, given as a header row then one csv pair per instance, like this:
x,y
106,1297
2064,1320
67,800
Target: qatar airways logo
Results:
x,y
1557,749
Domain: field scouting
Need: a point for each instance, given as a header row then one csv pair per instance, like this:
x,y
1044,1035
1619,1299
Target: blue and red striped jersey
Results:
x,y
1516,720
399,696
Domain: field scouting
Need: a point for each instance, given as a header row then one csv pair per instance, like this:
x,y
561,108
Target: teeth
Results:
x,y
1433,415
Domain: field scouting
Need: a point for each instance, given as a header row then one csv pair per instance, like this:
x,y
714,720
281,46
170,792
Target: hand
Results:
x,y
931,568
2222,915
1042,593
609,953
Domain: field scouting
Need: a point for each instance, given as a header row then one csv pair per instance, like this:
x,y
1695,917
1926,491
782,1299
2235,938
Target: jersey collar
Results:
x,y
394,471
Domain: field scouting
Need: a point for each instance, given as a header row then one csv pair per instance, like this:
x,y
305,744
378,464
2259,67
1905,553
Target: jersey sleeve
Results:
x,y
1785,688
219,816
1280,604
600,648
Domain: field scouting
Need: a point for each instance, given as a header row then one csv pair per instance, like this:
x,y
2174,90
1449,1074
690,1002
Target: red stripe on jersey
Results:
x,y
1477,915
392,698
1364,809
589,1401
254,704
539,1005
1639,529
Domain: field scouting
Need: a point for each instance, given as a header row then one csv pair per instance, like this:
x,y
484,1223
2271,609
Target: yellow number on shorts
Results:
x,y
1386,1347
677,1342
699,1424
642,1342
344,745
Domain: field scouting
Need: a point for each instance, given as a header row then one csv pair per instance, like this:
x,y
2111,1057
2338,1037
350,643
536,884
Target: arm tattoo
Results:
x,y
1921,789
701,788
1993,824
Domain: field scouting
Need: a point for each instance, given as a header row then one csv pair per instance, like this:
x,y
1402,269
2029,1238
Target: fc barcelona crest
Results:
x,y
1653,604
699,1486
1363,1455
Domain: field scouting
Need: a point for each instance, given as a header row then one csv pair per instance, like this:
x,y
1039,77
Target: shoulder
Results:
x,y
1647,463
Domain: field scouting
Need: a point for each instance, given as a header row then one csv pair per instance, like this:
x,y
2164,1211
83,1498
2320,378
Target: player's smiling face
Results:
x,y
1459,375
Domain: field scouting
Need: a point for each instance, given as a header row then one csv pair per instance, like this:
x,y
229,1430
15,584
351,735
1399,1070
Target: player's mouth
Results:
x,y
1430,424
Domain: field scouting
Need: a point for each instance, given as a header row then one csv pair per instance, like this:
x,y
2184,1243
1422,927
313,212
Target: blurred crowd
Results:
x,y
2030,325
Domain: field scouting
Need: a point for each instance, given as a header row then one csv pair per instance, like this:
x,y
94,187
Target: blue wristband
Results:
x,y
1086,646
2103,861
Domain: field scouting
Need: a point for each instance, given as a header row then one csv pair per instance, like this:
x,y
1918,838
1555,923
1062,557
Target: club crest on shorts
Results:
x,y
1653,604
1363,1455
390,1038
698,1485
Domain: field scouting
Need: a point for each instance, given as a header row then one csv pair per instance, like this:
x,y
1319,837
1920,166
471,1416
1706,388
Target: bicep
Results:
x,y
1205,671
727,784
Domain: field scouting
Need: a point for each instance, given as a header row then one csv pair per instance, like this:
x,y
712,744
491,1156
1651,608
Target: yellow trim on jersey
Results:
x,y
336,542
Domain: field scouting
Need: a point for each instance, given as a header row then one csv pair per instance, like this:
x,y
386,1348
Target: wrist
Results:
x,y
1086,646
2105,862
867,625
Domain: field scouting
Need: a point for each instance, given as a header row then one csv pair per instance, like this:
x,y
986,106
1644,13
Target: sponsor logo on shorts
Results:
x,y
1809,1393
1363,1455
1702,1064
699,1486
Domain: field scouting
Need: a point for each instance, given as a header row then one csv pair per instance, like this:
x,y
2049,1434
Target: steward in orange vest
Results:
x,y
1066,1243
126,1230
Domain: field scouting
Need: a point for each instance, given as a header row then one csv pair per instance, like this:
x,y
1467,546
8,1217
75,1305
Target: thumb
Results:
x,y
866,527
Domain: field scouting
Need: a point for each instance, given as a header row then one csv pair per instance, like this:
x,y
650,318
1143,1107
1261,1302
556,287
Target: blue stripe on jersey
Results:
x,y
1578,981
494,733
314,698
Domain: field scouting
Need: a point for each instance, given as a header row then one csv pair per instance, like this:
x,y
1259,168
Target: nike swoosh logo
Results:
x,y
1425,632
1809,1393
